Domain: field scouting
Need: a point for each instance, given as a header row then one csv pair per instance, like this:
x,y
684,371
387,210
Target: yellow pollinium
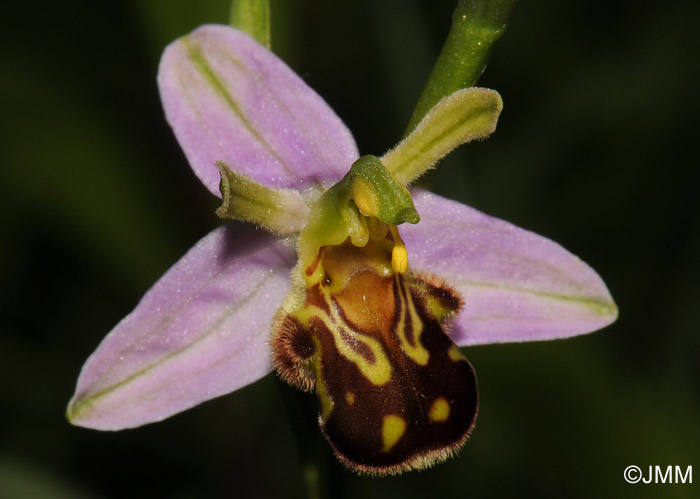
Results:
x,y
399,255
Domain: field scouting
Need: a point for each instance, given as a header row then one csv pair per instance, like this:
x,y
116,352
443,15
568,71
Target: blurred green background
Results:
x,y
594,149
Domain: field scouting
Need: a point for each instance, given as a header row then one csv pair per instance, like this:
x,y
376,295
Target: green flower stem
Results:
x,y
253,17
322,475
476,25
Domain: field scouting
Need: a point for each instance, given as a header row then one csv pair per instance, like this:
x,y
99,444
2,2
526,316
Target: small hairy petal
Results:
x,y
282,211
200,332
230,99
516,285
466,115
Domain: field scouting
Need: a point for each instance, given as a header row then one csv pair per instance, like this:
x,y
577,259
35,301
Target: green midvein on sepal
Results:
x,y
465,115
368,192
282,211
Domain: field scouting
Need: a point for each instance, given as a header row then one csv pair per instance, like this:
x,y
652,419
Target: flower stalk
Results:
x,y
252,17
476,26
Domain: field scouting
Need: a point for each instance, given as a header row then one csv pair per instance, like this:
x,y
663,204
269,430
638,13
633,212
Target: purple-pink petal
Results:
x,y
230,99
200,332
516,285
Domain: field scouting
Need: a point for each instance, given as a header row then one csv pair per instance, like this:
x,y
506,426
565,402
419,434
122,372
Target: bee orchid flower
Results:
x,y
333,270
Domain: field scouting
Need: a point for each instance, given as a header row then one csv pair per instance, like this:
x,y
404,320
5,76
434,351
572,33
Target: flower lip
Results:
x,y
395,393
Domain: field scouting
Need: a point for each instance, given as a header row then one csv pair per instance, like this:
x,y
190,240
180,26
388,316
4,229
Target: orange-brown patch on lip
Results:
x,y
341,262
371,310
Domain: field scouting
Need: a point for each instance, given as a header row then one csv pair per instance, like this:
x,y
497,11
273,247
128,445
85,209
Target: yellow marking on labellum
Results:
x,y
393,428
377,372
455,354
440,410
325,401
417,352
399,255
350,397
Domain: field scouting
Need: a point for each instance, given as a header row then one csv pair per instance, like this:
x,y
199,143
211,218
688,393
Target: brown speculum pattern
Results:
x,y
395,392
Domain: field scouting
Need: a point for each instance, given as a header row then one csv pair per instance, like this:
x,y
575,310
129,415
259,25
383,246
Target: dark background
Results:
x,y
596,148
